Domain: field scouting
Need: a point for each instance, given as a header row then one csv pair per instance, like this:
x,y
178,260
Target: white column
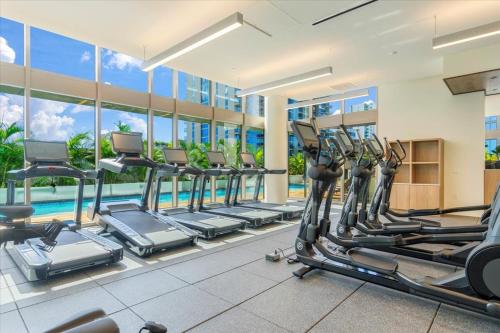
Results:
x,y
275,150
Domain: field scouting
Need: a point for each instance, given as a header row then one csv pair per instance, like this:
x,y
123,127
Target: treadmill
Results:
x,y
289,210
75,248
207,225
254,217
142,230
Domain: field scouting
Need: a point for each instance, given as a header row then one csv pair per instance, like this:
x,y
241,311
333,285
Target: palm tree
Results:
x,y
123,127
11,149
81,151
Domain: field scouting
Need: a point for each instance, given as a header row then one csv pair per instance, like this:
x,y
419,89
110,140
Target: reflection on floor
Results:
x,y
225,285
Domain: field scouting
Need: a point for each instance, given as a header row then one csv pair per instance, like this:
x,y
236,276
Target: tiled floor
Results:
x,y
227,286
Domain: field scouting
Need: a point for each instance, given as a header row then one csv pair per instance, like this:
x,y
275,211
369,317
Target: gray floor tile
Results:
x,y
236,285
142,287
12,322
6,262
265,245
451,319
3,282
7,302
297,304
127,321
276,271
129,266
13,276
381,310
181,309
42,316
30,293
237,320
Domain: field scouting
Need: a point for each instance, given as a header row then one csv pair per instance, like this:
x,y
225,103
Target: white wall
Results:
x,y
492,105
425,108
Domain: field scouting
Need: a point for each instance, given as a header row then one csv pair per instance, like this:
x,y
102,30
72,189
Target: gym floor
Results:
x,y
225,285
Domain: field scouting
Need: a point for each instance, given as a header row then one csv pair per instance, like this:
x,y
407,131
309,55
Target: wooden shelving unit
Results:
x,y
419,181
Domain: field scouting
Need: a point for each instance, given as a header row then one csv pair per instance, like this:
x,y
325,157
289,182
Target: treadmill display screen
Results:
x,y
127,142
216,157
175,156
248,158
307,134
47,151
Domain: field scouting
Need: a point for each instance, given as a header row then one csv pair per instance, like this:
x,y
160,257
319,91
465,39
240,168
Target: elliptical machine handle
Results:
x,y
402,149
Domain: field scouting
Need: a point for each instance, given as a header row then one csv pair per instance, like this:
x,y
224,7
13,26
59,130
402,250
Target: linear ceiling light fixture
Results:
x,y
329,99
326,71
201,38
343,12
468,35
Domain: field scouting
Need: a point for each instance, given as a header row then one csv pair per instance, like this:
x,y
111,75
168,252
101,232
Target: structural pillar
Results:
x,y
275,149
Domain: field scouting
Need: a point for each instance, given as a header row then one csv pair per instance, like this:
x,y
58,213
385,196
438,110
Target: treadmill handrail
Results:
x,y
46,169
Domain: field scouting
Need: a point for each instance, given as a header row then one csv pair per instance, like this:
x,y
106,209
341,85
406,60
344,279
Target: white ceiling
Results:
x,y
358,45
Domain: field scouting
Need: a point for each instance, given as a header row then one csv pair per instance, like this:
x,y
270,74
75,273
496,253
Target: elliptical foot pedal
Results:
x,y
372,261
302,271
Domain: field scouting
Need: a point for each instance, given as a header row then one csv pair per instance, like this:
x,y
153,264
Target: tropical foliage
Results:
x,y
11,150
296,164
231,151
258,153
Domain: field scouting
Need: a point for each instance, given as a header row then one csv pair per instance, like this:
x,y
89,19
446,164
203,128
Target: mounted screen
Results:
x,y
344,142
375,146
248,159
125,142
177,156
306,134
216,157
45,151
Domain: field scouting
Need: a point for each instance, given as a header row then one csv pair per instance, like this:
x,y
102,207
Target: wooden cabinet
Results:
x,y
419,181
491,180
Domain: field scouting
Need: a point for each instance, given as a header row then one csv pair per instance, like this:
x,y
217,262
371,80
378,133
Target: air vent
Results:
x,y
344,12
344,86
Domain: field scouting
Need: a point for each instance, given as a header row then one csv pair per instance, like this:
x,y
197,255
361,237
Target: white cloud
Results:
x,y
121,61
81,108
7,53
136,124
48,123
11,111
85,57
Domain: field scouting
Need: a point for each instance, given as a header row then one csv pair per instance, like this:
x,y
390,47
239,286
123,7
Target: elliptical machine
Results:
x,y
476,287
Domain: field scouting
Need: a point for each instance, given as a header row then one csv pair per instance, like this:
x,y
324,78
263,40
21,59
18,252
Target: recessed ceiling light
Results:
x,y
394,52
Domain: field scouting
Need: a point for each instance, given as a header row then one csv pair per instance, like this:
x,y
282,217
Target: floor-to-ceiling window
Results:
x,y
326,109
296,162
255,105
162,132
228,139
122,118
11,41
163,81
492,142
254,146
193,88
121,70
364,103
225,97
11,138
62,118
193,135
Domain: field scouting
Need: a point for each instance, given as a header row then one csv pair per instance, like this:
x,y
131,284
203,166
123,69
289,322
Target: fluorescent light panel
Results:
x,y
215,31
316,74
468,35
329,99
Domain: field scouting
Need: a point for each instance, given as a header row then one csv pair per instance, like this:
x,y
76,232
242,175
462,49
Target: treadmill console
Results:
x,y
216,158
175,156
45,151
127,143
248,159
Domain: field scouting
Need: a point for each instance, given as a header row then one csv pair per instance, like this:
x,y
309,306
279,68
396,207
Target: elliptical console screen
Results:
x,y
48,151
375,146
344,140
306,134
216,157
175,156
248,158
127,142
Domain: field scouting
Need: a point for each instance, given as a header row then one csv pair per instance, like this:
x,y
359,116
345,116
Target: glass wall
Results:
x,y
225,97
62,118
492,143
193,135
163,81
296,166
326,109
228,138
297,113
255,105
11,41
163,138
255,146
59,54
364,103
11,138
122,70
193,88
122,118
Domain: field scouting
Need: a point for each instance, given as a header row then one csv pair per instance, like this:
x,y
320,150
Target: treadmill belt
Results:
x,y
141,222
